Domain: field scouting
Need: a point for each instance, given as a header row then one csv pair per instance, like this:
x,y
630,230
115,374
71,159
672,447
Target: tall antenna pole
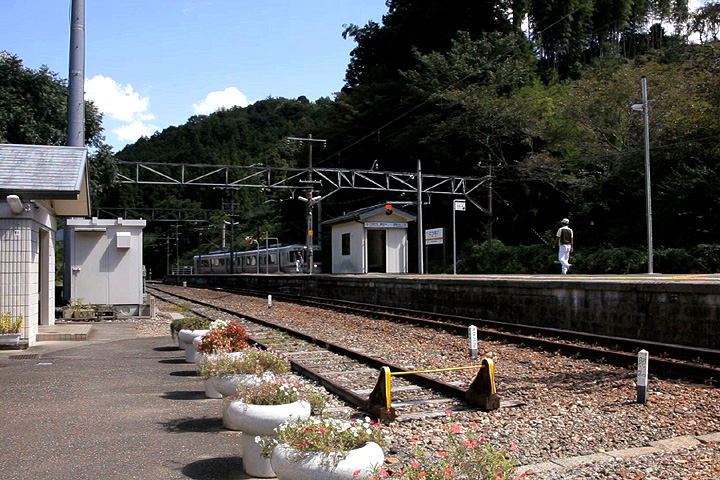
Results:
x,y
421,238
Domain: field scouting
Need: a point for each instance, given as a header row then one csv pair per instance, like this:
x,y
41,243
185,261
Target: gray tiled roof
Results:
x,y
41,171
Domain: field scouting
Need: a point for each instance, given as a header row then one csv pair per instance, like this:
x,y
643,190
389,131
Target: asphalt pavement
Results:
x,y
110,407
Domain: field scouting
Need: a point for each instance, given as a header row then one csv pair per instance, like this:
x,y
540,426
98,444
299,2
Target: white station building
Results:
x,y
37,184
371,240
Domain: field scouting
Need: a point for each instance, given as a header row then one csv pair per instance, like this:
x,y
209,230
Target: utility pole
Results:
x,y
648,196
310,200
421,238
490,201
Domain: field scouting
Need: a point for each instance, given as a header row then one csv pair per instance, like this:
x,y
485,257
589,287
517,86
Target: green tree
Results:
x,y
33,106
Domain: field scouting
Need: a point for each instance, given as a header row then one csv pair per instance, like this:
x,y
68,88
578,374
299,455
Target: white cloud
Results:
x,y
115,100
135,130
228,98
124,105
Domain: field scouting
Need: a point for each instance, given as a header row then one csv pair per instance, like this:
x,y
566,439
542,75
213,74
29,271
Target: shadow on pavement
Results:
x,y
184,395
203,424
223,468
174,348
173,361
184,373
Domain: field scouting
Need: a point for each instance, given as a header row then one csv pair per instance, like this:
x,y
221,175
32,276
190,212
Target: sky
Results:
x,y
151,64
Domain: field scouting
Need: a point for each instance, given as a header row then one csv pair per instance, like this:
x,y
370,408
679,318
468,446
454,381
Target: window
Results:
x,y
346,244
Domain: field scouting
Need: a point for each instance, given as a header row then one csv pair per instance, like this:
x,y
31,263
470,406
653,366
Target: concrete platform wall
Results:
x,y
685,313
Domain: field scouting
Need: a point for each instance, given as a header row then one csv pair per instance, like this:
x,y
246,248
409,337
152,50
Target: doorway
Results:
x,y
377,251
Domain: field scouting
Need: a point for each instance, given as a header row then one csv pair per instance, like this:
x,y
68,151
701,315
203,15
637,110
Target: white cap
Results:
x,y
564,221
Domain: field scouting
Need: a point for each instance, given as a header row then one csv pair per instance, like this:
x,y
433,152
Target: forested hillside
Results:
x,y
536,92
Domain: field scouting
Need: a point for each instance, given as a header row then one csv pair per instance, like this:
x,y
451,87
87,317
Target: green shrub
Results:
x,y
190,323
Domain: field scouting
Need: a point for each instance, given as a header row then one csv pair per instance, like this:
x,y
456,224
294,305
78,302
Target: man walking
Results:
x,y
564,236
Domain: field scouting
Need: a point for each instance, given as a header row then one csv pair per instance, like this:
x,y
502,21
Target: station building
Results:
x,y
370,240
38,184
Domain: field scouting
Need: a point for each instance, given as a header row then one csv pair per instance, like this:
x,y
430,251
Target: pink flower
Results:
x,y
421,474
322,430
447,470
383,473
455,428
498,477
513,447
415,465
448,412
442,454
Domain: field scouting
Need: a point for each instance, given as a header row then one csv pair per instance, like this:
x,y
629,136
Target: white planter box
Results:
x,y
9,338
289,465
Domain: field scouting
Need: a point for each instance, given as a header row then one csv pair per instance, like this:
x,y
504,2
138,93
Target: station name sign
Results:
x,y
386,225
434,236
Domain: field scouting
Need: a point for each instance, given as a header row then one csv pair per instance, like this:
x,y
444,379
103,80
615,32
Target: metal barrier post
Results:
x,y
481,392
380,401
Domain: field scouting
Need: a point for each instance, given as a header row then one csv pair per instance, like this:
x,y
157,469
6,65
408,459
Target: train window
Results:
x,y
215,262
273,259
247,260
222,261
253,260
205,263
346,244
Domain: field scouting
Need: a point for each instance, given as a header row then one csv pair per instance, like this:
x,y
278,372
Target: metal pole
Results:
x,y
489,226
76,82
454,243
267,254
421,266
648,196
309,212
177,247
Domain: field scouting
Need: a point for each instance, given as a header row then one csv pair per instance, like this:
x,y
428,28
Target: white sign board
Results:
x,y
459,205
386,225
434,236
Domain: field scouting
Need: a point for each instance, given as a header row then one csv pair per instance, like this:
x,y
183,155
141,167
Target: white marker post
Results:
x,y
269,301
472,340
184,284
642,376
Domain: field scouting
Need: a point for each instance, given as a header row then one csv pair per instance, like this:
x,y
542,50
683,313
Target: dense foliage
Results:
x,y
470,88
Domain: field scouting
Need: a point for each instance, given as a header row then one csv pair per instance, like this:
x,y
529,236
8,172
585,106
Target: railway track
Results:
x,y
668,360
346,372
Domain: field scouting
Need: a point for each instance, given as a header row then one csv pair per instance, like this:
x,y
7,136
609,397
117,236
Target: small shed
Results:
x,y
106,263
371,240
38,183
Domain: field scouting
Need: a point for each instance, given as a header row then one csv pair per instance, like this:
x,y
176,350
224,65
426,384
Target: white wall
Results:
x,y
355,262
102,272
21,262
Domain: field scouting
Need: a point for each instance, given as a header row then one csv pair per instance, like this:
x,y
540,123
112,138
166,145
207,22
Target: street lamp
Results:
x,y
643,107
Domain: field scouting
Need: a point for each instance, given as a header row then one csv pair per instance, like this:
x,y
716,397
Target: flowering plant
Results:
x,y
250,361
231,338
280,392
8,324
330,436
190,323
218,324
468,456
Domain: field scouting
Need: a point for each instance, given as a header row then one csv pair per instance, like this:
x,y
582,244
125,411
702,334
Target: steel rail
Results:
x,y
658,366
342,392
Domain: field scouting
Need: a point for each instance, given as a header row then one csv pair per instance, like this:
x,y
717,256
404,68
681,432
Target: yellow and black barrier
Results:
x,y
481,392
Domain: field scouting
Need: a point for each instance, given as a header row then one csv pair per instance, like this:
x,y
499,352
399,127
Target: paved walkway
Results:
x,y
110,407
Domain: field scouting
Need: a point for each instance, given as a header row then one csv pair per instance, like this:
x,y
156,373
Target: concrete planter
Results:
x,y
185,337
210,391
227,385
254,420
288,464
191,352
10,339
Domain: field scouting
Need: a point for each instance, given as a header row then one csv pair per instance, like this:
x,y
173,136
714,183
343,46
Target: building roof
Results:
x,y
43,172
368,212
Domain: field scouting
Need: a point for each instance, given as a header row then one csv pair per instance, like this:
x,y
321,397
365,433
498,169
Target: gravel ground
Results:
x,y
578,413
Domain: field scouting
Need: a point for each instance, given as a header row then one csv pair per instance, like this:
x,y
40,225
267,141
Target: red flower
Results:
x,y
356,473
447,470
455,428
415,465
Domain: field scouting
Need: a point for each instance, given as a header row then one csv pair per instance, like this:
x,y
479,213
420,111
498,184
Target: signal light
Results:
x,y
388,209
